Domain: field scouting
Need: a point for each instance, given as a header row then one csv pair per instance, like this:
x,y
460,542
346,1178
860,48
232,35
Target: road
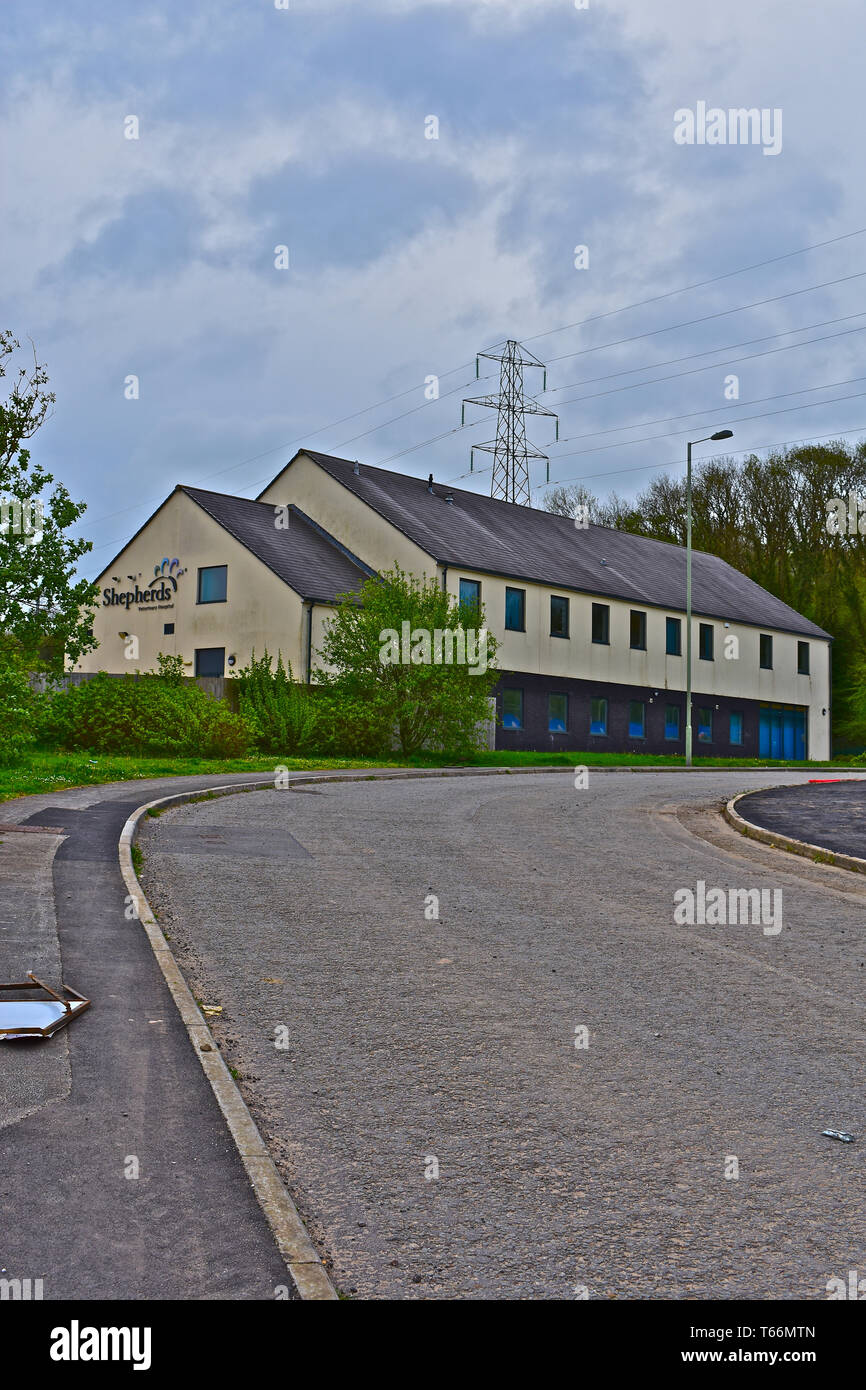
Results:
x,y
677,1155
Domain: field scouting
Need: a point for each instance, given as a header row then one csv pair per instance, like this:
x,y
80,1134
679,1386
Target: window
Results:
x,y
705,725
736,733
558,616
470,593
601,623
803,658
515,610
598,716
705,641
674,636
636,719
512,709
557,714
672,721
210,661
766,652
637,631
212,584
168,629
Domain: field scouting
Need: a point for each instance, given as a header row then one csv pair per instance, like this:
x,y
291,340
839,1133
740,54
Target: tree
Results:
x,y
578,501
44,610
410,662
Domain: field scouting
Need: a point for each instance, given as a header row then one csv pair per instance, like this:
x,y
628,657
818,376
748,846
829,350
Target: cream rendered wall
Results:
x,y
578,657
260,610
352,522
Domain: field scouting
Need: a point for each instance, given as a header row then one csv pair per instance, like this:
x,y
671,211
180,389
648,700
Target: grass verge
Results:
x,y
43,772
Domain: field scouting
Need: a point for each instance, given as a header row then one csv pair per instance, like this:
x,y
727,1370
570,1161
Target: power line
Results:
x,y
388,400
725,347
731,453
765,415
700,284
705,318
299,440
671,419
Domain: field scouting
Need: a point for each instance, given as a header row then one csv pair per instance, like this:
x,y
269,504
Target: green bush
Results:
x,y
347,727
281,711
19,710
148,714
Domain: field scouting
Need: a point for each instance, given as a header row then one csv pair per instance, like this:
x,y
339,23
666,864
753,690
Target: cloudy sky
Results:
x,y
306,127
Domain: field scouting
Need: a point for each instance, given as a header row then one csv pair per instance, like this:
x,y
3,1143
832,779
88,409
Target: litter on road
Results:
x,y
23,1019
839,1134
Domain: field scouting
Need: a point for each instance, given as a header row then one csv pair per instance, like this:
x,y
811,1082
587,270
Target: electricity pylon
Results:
x,y
510,449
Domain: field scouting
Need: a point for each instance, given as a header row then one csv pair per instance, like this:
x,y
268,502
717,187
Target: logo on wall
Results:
x,y
167,573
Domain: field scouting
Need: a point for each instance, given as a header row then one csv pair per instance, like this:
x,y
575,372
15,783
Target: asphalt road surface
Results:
x,y
423,1080
831,814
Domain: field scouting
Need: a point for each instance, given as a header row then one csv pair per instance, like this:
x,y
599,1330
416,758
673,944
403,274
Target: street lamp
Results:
x,y
720,434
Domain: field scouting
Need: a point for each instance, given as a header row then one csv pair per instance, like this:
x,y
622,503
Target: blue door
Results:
x,y
782,734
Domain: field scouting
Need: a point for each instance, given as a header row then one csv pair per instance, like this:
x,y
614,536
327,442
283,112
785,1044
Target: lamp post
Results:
x,y
720,434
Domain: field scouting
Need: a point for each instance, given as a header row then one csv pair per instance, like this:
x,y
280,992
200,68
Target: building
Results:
x,y
590,620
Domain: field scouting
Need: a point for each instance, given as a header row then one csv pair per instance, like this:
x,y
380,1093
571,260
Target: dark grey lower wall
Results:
x,y
536,737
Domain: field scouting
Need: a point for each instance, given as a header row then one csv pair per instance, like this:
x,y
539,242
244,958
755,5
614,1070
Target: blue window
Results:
x,y
736,727
470,593
705,725
558,616
212,583
598,716
672,721
515,610
674,636
557,714
636,719
512,709
210,661
705,641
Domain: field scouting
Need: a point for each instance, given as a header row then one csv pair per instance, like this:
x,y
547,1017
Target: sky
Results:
x,y
306,124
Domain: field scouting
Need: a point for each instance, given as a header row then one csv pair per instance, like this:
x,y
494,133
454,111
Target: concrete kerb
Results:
x,y
818,853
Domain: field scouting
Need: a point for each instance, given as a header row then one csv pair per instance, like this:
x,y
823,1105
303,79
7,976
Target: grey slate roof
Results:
x,y
482,533
303,555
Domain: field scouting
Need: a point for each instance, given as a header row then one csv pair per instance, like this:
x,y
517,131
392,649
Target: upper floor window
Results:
x,y
803,658
470,593
515,610
705,642
601,623
766,651
558,616
212,584
637,630
674,636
